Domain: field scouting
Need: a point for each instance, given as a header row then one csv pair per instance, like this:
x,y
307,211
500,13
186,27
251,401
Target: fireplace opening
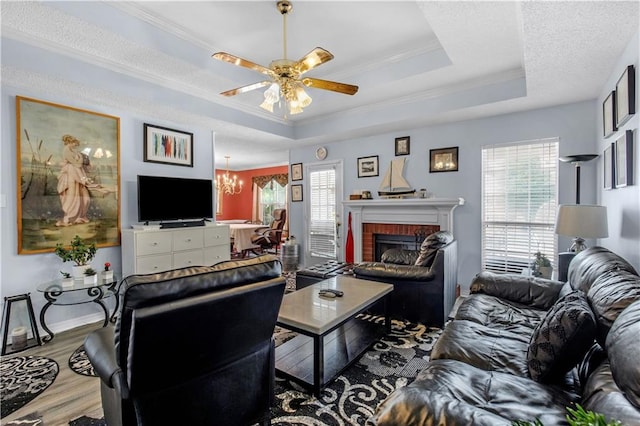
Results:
x,y
384,242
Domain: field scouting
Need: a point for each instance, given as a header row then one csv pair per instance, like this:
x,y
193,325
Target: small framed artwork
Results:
x,y
296,193
624,160
443,160
608,167
625,96
167,146
609,115
402,146
368,166
296,171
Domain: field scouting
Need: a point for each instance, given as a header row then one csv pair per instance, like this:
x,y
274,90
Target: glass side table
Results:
x,y
76,294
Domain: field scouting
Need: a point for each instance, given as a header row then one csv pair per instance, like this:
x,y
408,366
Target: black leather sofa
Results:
x,y
424,280
526,348
191,346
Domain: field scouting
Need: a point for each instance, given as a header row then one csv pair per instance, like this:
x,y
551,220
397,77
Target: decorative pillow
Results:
x,y
562,338
430,247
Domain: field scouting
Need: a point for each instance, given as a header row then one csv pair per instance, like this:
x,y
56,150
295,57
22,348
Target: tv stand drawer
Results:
x,y
188,258
153,243
187,239
153,264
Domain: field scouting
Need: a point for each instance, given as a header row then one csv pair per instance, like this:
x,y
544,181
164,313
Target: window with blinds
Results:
x,y
519,200
322,213
272,197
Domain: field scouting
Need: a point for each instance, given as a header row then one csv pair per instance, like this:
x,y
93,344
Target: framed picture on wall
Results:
x,y
608,169
402,146
443,160
167,146
296,193
68,176
296,171
624,160
625,96
368,166
609,115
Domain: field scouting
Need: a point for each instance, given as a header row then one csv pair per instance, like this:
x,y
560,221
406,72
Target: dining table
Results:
x,y
241,234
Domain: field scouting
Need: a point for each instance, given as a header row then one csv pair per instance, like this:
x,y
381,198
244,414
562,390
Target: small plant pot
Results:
x,y
107,275
78,271
67,282
545,271
91,279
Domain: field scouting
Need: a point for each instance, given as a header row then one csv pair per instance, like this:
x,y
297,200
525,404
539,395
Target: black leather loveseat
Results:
x,y
424,280
526,348
191,346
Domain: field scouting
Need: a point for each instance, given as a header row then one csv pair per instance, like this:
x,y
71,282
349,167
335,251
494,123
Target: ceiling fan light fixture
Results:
x,y
271,96
285,74
303,98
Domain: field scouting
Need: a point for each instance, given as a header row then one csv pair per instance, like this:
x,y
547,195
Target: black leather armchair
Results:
x,y
192,346
270,237
424,280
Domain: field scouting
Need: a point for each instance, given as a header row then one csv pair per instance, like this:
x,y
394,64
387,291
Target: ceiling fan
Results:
x,y
285,75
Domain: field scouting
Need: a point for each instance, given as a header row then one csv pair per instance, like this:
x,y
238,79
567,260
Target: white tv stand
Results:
x,y
146,251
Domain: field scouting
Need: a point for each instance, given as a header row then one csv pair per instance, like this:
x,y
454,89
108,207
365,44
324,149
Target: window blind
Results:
x,y
519,202
322,220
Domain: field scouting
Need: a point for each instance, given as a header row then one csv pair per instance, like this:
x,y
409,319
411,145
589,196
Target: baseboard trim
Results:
x,y
70,324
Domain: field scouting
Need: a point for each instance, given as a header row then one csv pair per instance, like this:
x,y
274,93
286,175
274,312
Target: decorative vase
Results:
x,y
77,271
107,275
91,279
67,282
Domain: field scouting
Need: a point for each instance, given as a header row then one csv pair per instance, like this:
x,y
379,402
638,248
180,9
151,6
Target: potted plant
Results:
x,y
67,279
107,274
90,276
79,253
541,265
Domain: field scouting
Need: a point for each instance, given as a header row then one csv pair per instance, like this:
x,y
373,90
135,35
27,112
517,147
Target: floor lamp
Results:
x,y
578,221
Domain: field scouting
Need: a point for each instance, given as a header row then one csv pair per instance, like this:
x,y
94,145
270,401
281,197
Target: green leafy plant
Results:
x,y
576,417
540,261
65,274
78,252
90,271
581,417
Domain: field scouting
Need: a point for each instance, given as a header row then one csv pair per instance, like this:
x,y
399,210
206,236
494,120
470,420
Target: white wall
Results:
x,y
574,124
623,204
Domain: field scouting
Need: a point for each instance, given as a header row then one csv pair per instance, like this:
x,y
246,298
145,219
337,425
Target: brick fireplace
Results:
x,y
371,230
397,217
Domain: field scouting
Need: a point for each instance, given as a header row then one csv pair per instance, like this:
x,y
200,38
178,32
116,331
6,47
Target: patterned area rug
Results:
x,y
79,363
23,378
391,363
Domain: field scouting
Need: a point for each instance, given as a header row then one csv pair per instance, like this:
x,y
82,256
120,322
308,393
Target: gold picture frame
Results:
x,y
68,174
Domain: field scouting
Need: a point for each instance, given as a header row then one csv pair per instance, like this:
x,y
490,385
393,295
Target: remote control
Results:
x,y
327,294
337,293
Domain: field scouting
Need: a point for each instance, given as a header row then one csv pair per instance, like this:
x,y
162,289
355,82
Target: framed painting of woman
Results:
x,y
68,168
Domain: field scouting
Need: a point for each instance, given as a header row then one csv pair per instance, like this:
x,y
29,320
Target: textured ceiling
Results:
x,y
416,63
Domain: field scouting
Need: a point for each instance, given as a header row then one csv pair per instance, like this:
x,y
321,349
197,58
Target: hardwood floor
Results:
x,y
71,395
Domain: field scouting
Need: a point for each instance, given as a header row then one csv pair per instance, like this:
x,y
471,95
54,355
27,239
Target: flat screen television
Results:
x,y
169,199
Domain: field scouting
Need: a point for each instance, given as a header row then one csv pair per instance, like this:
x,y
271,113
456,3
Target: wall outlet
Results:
x,y
3,200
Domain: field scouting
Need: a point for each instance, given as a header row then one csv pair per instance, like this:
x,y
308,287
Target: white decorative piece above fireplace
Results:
x,y
414,211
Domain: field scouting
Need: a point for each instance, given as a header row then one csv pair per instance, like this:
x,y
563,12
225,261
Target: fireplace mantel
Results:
x,y
421,211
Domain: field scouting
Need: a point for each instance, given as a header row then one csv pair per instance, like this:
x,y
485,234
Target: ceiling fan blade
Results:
x,y
347,89
317,56
247,88
232,59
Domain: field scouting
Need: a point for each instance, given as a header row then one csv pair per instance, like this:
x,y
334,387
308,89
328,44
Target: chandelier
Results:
x,y
227,184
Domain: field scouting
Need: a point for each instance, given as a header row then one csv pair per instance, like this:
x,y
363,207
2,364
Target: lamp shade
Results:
x,y
582,220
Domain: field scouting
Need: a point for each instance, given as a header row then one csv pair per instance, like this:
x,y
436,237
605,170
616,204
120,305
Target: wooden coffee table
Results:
x,y
330,336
